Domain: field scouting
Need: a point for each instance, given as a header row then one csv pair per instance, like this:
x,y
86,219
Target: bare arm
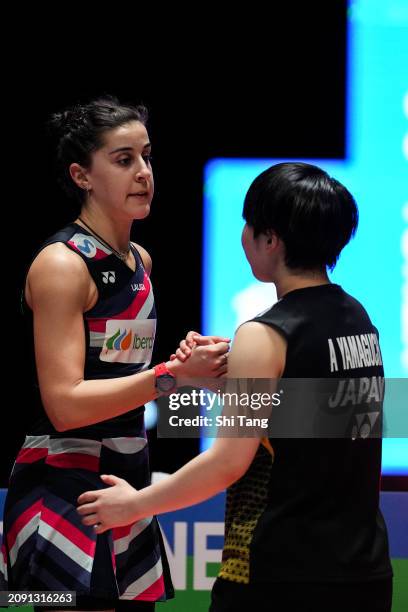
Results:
x,y
59,290
257,352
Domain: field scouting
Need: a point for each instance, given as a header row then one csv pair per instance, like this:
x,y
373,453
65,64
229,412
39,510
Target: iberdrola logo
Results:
x,y
122,341
119,341
128,341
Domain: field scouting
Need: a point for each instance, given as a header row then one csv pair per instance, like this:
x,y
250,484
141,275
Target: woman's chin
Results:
x,y
142,212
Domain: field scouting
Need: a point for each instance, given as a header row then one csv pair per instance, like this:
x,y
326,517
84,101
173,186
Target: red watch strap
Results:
x,y
161,369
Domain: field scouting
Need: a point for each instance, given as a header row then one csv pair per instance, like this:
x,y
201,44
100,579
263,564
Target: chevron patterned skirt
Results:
x,y
46,547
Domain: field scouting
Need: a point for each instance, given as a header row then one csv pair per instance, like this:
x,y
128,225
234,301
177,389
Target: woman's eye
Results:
x,y
125,161
147,159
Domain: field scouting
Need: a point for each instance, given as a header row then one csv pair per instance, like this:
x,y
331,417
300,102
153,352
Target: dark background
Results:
x,y
274,89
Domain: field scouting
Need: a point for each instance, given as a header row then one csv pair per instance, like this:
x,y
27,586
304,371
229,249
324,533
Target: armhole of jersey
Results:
x,y
138,256
25,308
274,326
94,279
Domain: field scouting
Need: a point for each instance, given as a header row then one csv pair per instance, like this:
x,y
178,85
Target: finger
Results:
x,y
87,497
222,374
186,349
180,355
203,341
216,339
173,356
110,479
190,338
221,347
86,509
221,362
99,528
90,519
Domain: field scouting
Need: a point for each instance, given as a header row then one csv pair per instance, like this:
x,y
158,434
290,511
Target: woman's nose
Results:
x,y
144,171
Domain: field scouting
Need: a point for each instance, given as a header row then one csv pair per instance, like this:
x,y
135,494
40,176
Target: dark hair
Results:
x,y
313,214
79,132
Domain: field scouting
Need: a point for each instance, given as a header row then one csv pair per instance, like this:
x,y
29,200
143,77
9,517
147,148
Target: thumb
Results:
x,y
110,479
190,338
206,340
203,340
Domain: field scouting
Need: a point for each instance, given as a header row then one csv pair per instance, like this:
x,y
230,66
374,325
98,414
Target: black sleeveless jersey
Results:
x,y
119,328
308,509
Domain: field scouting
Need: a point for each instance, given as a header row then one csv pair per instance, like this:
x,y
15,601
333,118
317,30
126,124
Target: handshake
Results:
x,y
200,357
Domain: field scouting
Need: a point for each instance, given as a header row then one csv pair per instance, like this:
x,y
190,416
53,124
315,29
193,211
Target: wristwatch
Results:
x,y
165,382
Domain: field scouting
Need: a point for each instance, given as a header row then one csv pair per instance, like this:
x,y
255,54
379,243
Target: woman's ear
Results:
x,y
271,238
78,175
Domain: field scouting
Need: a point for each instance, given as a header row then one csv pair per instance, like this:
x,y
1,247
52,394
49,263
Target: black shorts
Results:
x,y
375,596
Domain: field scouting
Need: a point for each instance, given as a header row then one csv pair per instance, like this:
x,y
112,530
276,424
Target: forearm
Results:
x,y
201,478
93,401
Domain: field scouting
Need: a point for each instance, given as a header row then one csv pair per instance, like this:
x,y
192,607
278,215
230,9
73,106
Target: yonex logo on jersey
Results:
x,y
138,287
108,277
364,425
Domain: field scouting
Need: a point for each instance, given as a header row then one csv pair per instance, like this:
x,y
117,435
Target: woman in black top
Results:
x,y
303,526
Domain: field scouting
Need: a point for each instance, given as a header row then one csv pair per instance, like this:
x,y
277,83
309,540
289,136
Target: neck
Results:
x,y
290,282
114,231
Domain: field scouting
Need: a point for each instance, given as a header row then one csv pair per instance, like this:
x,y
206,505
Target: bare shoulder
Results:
x,y
258,333
147,260
58,272
258,351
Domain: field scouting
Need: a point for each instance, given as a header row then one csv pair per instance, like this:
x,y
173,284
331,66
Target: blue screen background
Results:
x,y
374,266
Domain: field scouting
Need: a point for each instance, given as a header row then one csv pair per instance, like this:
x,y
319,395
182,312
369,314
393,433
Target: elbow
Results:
x,y
233,473
59,425
57,412
232,470
61,406
57,420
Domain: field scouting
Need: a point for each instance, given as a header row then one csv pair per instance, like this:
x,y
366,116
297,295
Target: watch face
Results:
x,y
165,382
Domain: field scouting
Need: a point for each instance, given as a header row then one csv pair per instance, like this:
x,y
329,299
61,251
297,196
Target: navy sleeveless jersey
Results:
x,y
45,545
119,329
307,509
